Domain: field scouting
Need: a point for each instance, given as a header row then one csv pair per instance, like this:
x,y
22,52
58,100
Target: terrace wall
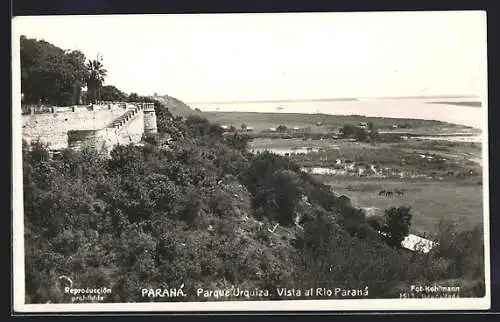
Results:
x,y
53,127
102,125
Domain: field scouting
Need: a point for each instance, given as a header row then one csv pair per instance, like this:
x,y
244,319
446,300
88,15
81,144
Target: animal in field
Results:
x,y
386,193
390,193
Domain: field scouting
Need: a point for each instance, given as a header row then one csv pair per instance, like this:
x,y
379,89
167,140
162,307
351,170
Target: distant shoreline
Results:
x,y
337,99
277,101
469,103
230,117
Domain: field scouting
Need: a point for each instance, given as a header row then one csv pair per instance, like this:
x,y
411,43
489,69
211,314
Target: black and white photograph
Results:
x,y
330,161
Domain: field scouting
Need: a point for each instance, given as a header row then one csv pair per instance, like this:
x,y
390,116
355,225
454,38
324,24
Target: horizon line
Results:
x,y
331,99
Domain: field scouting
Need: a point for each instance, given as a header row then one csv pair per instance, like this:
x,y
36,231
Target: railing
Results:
x,y
125,118
42,109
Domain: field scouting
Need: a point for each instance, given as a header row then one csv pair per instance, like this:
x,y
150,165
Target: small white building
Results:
x,y
416,243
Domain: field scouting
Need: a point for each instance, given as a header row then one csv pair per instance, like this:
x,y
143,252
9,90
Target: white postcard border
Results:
x,y
293,305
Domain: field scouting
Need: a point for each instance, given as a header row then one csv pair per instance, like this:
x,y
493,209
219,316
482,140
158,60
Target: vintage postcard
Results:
x,y
251,162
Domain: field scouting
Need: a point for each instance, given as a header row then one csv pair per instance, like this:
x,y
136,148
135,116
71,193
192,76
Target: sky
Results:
x,y
246,57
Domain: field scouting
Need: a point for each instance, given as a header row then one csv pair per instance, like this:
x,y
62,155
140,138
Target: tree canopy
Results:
x,y
111,93
49,74
54,76
95,78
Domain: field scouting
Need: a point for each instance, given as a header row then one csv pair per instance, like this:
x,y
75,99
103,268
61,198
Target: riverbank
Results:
x,y
439,179
440,160
462,111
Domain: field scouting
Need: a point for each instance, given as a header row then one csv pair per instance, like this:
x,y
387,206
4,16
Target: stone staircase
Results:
x,y
129,115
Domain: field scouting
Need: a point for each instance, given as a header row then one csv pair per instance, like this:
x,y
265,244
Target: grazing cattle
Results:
x,y
389,193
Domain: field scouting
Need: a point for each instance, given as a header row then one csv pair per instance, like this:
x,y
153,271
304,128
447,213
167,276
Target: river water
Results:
x,y
414,108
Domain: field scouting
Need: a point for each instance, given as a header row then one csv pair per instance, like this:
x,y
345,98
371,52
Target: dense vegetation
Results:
x,y
197,212
203,212
52,75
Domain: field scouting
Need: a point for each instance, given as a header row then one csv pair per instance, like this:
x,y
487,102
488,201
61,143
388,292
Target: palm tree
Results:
x,y
95,78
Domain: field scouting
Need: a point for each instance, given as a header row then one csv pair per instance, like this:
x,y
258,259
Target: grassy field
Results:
x,y
458,199
430,200
264,121
458,154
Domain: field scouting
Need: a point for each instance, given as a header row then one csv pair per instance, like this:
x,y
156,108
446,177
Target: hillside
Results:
x,y
203,212
177,107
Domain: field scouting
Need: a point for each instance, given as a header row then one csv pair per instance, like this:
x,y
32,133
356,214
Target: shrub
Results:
x,y
281,129
397,224
463,248
237,141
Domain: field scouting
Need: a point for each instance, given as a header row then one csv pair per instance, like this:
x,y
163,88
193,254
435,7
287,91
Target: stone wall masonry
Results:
x,y
130,131
52,128
150,126
103,138
133,130
97,125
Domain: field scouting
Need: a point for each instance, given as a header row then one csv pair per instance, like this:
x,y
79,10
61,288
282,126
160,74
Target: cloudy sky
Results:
x,y
239,57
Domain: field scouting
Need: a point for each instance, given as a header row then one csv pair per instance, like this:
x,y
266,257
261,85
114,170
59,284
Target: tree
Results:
x,y
133,97
111,93
281,129
76,60
243,127
49,74
397,224
197,125
285,190
238,141
347,130
372,131
356,132
95,78
360,134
